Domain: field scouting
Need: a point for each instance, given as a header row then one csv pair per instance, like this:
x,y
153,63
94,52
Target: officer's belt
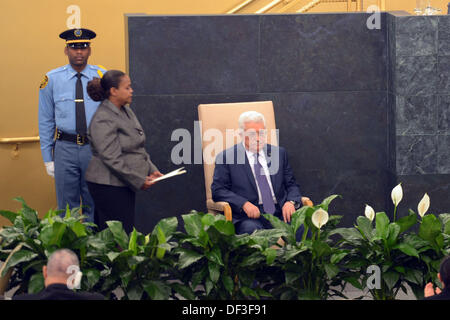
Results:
x,y
75,138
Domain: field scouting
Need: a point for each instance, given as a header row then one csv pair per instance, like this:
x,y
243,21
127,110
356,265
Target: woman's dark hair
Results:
x,y
99,89
444,271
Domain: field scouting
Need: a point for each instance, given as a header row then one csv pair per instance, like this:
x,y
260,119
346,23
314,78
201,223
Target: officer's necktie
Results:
x,y
81,126
263,184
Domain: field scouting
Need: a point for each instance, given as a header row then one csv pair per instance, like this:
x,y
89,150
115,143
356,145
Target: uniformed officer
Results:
x,y
65,111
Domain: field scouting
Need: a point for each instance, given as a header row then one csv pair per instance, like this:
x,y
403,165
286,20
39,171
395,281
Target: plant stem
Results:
x,y
395,213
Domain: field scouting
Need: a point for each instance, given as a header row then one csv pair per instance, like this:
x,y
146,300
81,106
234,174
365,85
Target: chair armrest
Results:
x,y
220,207
307,202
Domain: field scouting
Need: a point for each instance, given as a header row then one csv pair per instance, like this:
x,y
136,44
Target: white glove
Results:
x,y
50,166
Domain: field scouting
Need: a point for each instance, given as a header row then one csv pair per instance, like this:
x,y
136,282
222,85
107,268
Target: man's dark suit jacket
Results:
x,y
234,182
444,295
59,292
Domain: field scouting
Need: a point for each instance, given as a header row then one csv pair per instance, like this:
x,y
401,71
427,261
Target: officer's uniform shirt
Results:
x,y
57,105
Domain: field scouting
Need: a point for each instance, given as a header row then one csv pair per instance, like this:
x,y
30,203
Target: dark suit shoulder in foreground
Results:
x,y
59,292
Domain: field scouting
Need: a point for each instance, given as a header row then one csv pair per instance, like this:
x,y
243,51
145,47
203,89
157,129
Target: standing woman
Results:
x,y
120,166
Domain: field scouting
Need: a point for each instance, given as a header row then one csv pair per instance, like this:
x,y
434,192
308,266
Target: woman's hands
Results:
x,y
149,179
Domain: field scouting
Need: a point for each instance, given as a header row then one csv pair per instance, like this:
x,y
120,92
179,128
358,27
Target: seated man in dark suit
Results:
x,y
444,277
59,278
254,178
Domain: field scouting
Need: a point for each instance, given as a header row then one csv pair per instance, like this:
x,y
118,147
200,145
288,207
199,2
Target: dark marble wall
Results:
x,y
334,94
420,94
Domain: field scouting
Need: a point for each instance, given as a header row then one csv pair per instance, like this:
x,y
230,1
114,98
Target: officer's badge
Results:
x,y
78,33
44,83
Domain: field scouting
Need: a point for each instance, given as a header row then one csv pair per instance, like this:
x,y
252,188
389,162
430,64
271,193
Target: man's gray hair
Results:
x,y
59,262
250,116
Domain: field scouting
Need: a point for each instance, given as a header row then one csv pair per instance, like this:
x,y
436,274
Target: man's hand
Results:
x,y
50,167
149,180
429,290
288,210
251,210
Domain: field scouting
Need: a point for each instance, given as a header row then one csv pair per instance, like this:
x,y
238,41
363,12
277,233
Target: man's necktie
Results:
x,y
263,184
81,126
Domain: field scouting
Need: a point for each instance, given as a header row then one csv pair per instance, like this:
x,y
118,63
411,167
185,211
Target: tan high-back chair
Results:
x,y
219,121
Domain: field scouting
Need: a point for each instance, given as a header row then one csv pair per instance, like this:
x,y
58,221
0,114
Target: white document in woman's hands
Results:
x,y
171,174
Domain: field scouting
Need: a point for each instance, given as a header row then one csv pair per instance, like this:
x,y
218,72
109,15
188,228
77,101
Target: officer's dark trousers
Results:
x,y
113,203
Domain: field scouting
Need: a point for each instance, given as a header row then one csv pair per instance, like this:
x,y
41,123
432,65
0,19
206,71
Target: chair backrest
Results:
x,y
219,121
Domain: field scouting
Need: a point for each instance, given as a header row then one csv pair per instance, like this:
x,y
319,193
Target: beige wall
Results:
x,y
31,47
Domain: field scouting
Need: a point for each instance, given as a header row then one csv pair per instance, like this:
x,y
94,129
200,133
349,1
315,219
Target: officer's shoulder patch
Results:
x,y
44,82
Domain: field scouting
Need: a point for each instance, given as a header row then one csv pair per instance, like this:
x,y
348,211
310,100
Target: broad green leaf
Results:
x,y
407,249
326,202
214,271
132,246
414,276
79,229
160,251
133,261
354,281
337,257
390,278
36,283
198,277
331,270
30,217
298,218
365,226
119,233
188,257
445,219
349,234
394,231
209,285
11,216
253,259
281,225
293,252
192,224
270,254
291,277
168,226
400,269
225,227
215,256
407,222
382,225
135,292
208,219
183,290
17,258
249,292
52,234
228,283
430,228
125,277
92,277
321,248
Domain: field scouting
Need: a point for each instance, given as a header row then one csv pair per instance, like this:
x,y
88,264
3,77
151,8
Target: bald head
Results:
x,y
59,262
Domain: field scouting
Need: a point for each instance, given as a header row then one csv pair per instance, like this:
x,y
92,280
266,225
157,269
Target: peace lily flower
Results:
x,y
424,205
397,194
369,212
319,218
